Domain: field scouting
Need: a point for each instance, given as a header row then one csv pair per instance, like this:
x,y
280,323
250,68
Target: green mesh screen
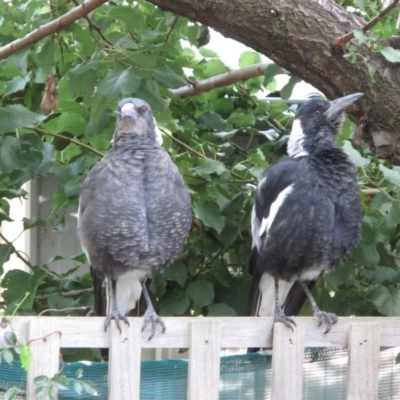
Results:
x,y
243,377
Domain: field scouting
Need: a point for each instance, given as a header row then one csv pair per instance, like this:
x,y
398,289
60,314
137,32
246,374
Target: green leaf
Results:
x,y
132,17
175,302
201,293
212,120
5,252
207,53
177,272
41,380
355,156
89,387
26,357
45,56
118,83
11,338
209,166
19,282
390,175
241,119
11,393
360,36
66,122
60,382
14,85
287,90
7,356
209,215
4,212
15,116
221,310
167,77
77,386
270,73
366,255
391,54
386,300
248,58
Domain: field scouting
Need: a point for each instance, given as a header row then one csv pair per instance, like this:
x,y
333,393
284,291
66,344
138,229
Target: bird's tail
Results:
x,y
100,302
267,292
296,299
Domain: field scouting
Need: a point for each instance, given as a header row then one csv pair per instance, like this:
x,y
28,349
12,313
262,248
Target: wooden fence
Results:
x,y
205,337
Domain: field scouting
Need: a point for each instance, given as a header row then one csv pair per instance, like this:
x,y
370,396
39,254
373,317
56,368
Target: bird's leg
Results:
x,y
151,315
323,317
115,313
279,314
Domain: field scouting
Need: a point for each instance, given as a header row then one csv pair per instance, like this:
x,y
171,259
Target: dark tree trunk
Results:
x,y
299,35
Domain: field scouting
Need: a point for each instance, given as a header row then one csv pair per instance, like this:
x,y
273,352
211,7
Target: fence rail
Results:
x,y
205,337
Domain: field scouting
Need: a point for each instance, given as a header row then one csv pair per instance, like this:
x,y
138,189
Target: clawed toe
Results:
x,y
326,318
116,316
151,315
281,317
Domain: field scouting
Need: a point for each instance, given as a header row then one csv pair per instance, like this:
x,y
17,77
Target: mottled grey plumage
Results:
x,y
134,211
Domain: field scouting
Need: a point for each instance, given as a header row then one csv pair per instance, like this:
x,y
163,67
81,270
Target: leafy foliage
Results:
x,y
221,141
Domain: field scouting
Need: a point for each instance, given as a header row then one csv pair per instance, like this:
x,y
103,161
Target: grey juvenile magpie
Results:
x,y
307,213
134,213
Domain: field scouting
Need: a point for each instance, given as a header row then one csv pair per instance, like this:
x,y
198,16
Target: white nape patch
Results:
x,y
127,106
295,143
129,289
267,291
159,138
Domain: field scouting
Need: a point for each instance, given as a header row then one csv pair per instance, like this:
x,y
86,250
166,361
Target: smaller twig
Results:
x,y
218,81
71,140
61,309
72,293
170,30
342,41
17,253
43,337
93,25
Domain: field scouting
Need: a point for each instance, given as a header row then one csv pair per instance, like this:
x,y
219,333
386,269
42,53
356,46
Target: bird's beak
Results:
x,y
337,106
128,110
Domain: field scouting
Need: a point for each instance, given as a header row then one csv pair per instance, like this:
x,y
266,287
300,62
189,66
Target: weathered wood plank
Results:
x,y
235,331
364,343
44,343
124,366
287,362
204,360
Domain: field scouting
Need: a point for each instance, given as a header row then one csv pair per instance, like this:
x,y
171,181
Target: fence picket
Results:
x,y
44,342
204,360
362,382
287,362
124,361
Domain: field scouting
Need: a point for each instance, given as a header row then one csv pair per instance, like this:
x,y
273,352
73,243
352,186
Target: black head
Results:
x,y
318,119
135,119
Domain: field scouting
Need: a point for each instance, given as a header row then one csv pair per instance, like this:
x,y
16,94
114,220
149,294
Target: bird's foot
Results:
x,y
117,316
326,318
151,315
281,317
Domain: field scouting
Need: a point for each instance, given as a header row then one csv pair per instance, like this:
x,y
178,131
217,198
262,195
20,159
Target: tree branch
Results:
x,y
345,39
52,27
221,80
68,139
17,253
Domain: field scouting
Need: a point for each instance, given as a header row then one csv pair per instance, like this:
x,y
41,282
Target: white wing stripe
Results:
x,y
276,205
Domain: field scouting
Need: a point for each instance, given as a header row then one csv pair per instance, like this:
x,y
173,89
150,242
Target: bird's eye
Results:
x,y
142,109
316,113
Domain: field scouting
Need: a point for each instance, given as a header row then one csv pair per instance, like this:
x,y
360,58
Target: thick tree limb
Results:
x,y
52,27
299,35
229,78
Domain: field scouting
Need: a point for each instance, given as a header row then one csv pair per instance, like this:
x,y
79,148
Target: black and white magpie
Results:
x,y
134,213
307,213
